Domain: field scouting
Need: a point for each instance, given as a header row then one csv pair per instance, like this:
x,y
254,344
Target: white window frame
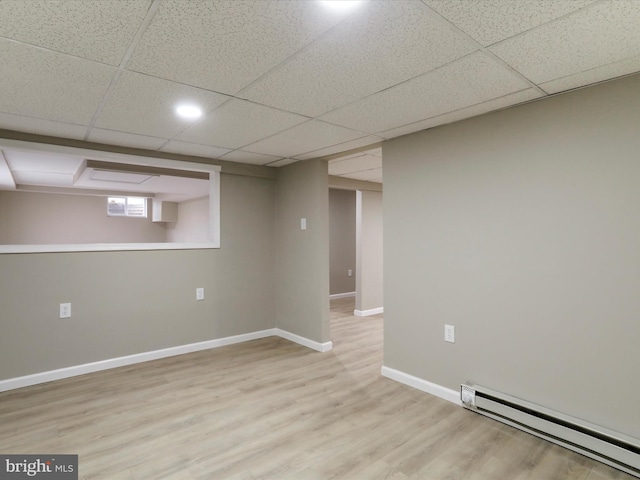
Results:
x,y
126,211
214,199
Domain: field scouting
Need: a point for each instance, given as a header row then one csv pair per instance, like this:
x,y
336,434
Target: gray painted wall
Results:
x,y
192,224
342,241
130,302
521,228
302,256
369,271
43,218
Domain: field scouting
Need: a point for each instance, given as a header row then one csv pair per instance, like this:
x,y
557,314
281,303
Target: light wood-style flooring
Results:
x,y
276,410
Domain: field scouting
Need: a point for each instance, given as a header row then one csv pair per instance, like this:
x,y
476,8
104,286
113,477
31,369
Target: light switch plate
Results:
x,y
65,310
199,293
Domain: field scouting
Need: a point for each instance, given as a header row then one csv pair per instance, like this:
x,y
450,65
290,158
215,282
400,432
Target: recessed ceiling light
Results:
x,y
341,5
190,112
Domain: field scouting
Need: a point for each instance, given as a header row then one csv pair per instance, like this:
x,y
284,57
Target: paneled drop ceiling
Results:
x,y
290,80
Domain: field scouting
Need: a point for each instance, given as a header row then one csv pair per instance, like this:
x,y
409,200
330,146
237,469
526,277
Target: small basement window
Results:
x,y
127,207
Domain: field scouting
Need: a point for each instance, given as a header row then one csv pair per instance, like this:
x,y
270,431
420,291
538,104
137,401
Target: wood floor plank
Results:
x,y
270,408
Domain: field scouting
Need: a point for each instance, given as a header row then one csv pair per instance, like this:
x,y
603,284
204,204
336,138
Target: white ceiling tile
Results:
x,y
595,75
376,152
227,44
248,157
145,105
36,168
490,21
27,161
42,127
283,162
303,138
354,164
111,137
365,54
349,156
99,30
479,109
473,79
374,175
42,178
238,123
601,34
341,147
185,148
50,85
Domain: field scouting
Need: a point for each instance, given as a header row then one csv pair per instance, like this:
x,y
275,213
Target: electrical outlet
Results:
x,y
349,273
65,310
199,293
450,333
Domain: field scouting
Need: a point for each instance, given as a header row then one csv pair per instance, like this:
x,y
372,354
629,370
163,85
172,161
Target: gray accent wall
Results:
x,y
522,229
302,256
369,256
125,303
342,241
192,224
28,218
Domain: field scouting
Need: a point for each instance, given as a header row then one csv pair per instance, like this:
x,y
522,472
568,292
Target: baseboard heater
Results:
x,y
615,449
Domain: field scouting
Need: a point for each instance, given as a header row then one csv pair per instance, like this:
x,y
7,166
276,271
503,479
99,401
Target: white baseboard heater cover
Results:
x,y
613,448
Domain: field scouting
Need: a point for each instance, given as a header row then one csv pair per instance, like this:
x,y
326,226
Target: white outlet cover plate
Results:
x,y
450,333
199,293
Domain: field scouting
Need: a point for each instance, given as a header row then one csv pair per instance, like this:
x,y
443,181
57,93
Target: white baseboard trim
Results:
x,y
452,396
366,313
336,296
51,375
67,372
320,347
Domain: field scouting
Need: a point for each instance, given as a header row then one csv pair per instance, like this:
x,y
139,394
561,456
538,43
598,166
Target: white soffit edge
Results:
x,y
6,179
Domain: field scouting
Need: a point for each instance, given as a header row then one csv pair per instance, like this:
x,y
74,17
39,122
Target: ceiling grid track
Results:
x,y
153,8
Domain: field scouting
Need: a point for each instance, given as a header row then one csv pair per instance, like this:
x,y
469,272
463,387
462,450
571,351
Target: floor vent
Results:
x,y
615,449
